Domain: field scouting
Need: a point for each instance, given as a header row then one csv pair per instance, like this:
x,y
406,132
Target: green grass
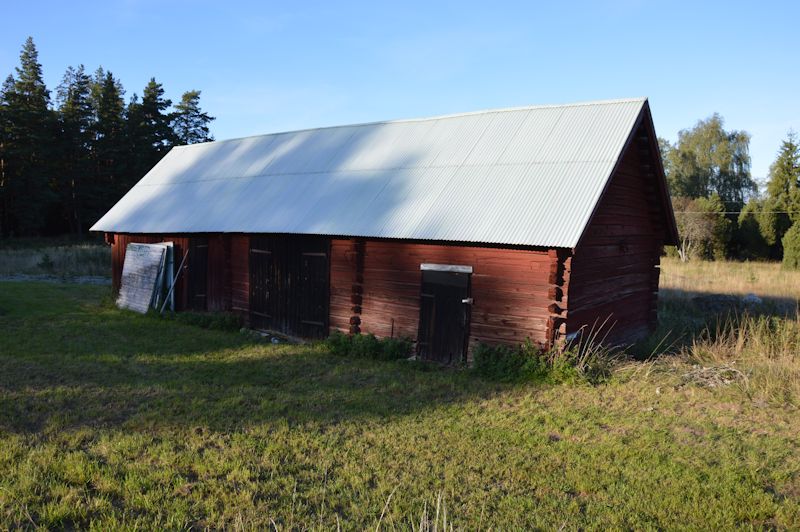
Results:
x,y
109,419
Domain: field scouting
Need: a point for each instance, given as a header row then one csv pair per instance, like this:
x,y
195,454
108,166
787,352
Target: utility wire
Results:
x,y
736,212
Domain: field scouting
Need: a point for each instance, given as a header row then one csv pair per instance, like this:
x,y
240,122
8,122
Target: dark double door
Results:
x,y
444,316
289,284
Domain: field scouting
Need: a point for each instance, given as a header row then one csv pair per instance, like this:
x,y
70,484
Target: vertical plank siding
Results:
x,y
218,276
615,268
239,274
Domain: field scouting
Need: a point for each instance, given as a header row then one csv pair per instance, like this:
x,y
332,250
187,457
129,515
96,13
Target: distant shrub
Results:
x,y
369,346
46,263
791,247
218,321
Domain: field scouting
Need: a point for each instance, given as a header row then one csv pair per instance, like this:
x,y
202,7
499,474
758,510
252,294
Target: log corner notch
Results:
x,y
654,276
357,287
558,280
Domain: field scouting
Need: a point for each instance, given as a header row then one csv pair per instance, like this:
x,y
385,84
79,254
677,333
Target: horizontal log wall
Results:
x,y
346,284
375,285
615,268
512,290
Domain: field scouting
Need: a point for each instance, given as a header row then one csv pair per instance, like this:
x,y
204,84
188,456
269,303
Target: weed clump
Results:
x,y
510,364
369,346
581,361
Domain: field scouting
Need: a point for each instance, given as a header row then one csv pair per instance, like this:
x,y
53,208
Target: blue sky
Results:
x,y
272,66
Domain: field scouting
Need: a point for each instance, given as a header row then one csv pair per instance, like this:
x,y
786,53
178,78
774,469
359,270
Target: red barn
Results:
x,y
492,226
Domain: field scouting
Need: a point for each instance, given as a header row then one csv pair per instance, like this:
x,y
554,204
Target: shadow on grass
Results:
x,y
67,361
305,386
98,366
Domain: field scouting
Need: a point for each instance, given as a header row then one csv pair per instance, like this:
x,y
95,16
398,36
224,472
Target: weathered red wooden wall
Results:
x,y
518,293
513,290
218,280
346,284
615,268
375,285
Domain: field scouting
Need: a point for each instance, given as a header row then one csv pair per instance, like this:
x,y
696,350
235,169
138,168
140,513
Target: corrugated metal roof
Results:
x,y
525,176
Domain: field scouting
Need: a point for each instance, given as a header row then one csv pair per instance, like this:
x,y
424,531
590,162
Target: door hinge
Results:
x,y
468,301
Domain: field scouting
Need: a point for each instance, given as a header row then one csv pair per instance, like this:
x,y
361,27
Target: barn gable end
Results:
x,y
614,277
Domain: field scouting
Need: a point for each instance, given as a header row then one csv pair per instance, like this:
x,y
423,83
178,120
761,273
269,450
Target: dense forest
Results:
x,y
722,212
65,161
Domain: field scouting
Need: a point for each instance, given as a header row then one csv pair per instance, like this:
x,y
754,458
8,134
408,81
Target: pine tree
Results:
x,y
781,206
189,122
791,248
30,131
749,235
109,145
784,180
150,134
76,117
5,140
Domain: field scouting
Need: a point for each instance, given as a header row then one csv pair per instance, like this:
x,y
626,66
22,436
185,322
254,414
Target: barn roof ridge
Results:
x,y
432,117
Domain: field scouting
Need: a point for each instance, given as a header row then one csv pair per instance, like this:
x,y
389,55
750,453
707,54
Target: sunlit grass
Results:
x,y
113,420
765,279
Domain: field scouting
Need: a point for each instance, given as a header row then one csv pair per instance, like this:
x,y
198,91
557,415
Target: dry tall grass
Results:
x,y
765,279
759,349
761,354
58,261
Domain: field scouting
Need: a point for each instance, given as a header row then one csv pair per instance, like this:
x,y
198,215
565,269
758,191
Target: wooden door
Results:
x,y
289,284
444,316
198,274
310,290
265,297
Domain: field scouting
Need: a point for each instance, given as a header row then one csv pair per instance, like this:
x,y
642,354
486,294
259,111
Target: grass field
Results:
x,y
56,258
115,420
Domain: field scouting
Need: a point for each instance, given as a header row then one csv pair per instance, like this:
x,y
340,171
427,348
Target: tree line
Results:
x,y
721,211
65,161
